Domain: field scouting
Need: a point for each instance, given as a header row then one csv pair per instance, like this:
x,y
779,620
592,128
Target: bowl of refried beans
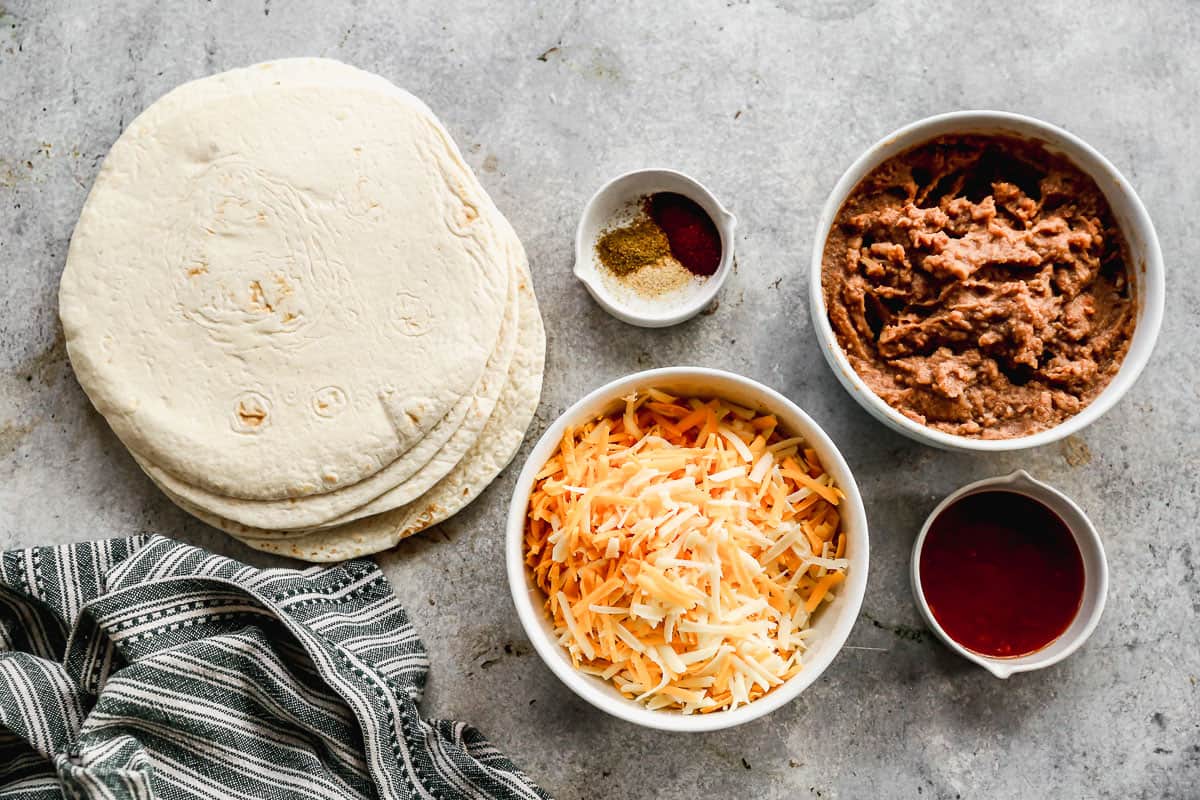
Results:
x,y
986,281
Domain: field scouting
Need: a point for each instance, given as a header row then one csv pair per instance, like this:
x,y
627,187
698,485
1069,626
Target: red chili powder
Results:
x,y
694,239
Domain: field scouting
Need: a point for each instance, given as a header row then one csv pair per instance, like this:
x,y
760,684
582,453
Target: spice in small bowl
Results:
x,y
670,243
653,247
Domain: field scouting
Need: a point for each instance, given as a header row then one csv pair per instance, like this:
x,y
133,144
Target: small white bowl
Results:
x,y
1130,215
832,624
1095,574
610,206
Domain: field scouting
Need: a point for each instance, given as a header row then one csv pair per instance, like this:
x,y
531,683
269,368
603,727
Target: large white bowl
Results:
x,y
1130,215
833,622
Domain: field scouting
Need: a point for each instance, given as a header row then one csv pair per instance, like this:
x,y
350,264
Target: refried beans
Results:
x,y
979,285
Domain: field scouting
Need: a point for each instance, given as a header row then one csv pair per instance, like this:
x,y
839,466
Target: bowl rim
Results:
x,y
1086,539
588,687
1151,294
724,220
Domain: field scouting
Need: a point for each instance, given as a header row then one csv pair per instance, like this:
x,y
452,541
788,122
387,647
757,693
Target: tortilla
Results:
x,y
403,480
437,452
497,444
263,329
398,483
464,438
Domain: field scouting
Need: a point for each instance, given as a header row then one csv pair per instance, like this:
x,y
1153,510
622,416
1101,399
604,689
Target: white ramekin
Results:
x,y
1130,215
832,625
1095,574
605,205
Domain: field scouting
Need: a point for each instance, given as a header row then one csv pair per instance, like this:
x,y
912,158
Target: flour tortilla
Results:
x,y
219,288
495,448
437,452
401,482
465,437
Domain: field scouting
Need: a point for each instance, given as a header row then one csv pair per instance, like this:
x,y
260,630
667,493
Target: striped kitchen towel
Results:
x,y
146,668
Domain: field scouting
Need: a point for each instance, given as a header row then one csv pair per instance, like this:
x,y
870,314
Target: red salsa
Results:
x,y
1001,573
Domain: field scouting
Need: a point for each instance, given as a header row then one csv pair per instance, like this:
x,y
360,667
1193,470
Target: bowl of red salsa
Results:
x,y
1010,573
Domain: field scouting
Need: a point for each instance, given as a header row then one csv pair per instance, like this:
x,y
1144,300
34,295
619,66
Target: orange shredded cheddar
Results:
x,y
683,546
821,589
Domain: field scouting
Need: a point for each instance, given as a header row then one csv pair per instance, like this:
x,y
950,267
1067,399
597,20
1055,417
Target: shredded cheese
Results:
x,y
683,546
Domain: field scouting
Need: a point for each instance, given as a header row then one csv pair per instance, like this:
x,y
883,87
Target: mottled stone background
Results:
x,y
767,103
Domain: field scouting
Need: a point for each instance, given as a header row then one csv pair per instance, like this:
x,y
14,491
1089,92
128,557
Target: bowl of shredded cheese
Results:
x,y
687,550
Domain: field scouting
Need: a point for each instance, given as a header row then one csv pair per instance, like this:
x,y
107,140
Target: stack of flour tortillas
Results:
x,y
297,307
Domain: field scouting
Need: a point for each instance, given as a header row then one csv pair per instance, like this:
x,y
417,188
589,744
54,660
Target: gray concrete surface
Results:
x,y
768,103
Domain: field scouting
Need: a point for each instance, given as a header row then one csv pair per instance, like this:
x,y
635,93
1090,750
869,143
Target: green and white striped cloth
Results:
x,y
145,668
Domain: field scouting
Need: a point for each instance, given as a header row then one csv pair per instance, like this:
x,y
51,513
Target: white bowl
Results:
x,y
1095,574
832,624
1130,215
607,207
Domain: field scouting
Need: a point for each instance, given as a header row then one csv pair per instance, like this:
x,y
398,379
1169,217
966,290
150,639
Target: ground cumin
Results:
x,y
629,248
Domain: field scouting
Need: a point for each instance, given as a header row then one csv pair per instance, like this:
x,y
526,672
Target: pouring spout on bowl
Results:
x,y
1001,671
585,273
